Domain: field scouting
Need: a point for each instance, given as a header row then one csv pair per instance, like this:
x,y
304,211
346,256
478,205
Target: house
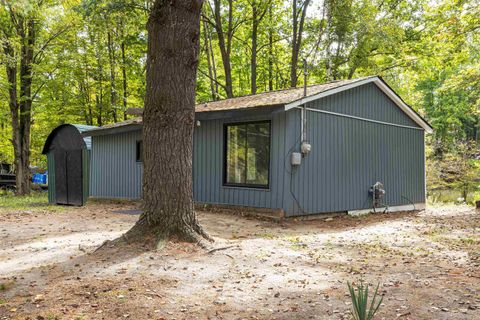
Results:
x,y
68,158
297,152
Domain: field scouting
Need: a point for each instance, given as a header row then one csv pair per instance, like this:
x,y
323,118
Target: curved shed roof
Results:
x,y
87,141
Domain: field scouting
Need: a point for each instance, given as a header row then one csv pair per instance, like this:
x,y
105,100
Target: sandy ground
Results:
x,y
427,264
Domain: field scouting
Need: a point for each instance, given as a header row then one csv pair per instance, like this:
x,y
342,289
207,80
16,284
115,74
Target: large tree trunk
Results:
x,y
169,114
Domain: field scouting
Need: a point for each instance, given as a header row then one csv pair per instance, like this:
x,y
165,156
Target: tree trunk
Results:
x,y
168,123
113,91
270,52
294,61
225,45
21,105
253,56
209,60
124,80
299,12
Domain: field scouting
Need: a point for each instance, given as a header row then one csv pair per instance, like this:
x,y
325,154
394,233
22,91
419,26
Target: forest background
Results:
x,y
83,61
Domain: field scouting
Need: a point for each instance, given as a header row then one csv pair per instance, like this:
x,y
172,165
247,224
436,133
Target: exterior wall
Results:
x,y
208,166
115,173
366,101
349,155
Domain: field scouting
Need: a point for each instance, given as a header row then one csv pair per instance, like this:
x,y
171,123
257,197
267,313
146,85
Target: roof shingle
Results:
x,y
271,98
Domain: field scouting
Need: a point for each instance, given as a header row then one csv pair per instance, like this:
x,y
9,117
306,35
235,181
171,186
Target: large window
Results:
x,y
247,154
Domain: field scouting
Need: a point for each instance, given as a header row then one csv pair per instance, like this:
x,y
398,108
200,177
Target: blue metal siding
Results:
x,y
348,156
208,166
115,173
366,101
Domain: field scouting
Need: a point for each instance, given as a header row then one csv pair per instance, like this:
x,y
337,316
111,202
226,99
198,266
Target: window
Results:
x,y
139,151
247,154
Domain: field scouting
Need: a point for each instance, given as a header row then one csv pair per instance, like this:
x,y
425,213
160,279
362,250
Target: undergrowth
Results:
x,y
37,201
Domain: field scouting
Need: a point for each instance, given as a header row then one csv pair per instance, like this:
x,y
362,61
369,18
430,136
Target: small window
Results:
x,y
247,154
139,151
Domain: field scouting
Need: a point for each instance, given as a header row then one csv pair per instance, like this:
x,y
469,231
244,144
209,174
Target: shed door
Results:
x,y
74,177
68,177
61,177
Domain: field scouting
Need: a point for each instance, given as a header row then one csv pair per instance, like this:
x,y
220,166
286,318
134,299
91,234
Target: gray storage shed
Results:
x,y
68,158
286,150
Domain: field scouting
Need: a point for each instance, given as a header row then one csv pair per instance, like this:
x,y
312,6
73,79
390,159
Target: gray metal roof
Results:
x,y
83,127
115,127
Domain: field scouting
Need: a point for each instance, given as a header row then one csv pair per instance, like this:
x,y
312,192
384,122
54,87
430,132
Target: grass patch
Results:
x,y
297,243
448,196
458,243
36,202
269,236
4,286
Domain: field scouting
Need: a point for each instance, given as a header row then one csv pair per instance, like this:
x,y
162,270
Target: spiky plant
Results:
x,y
361,309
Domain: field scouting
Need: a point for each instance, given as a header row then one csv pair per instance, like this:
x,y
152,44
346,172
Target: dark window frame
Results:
x,y
139,151
225,147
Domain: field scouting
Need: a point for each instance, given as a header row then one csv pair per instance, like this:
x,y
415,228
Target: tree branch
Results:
x,y
49,40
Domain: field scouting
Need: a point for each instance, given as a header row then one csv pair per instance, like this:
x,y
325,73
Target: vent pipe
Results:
x,y
305,74
303,125
305,147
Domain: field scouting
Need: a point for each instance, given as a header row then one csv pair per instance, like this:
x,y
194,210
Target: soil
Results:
x,y
427,265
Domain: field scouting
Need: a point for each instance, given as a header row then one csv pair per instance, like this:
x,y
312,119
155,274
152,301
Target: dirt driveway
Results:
x,y
427,264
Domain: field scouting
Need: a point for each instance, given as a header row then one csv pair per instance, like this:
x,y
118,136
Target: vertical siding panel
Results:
x,y
347,156
114,170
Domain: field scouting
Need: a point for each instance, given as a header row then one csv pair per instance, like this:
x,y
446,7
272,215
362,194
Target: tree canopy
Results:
x,y
90,55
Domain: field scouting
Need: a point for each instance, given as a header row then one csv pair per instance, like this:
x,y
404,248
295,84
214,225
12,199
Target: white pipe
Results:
x,y
359,118
301,124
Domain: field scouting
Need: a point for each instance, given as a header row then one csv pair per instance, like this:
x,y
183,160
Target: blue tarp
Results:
x,y
39,178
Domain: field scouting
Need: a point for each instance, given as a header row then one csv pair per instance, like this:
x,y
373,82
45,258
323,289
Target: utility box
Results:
x,y
296,158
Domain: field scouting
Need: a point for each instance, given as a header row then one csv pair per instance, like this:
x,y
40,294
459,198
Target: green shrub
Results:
x,y
360,306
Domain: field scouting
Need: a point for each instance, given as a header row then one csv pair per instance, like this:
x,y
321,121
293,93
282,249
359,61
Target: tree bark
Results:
x,y
168,123
20,101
